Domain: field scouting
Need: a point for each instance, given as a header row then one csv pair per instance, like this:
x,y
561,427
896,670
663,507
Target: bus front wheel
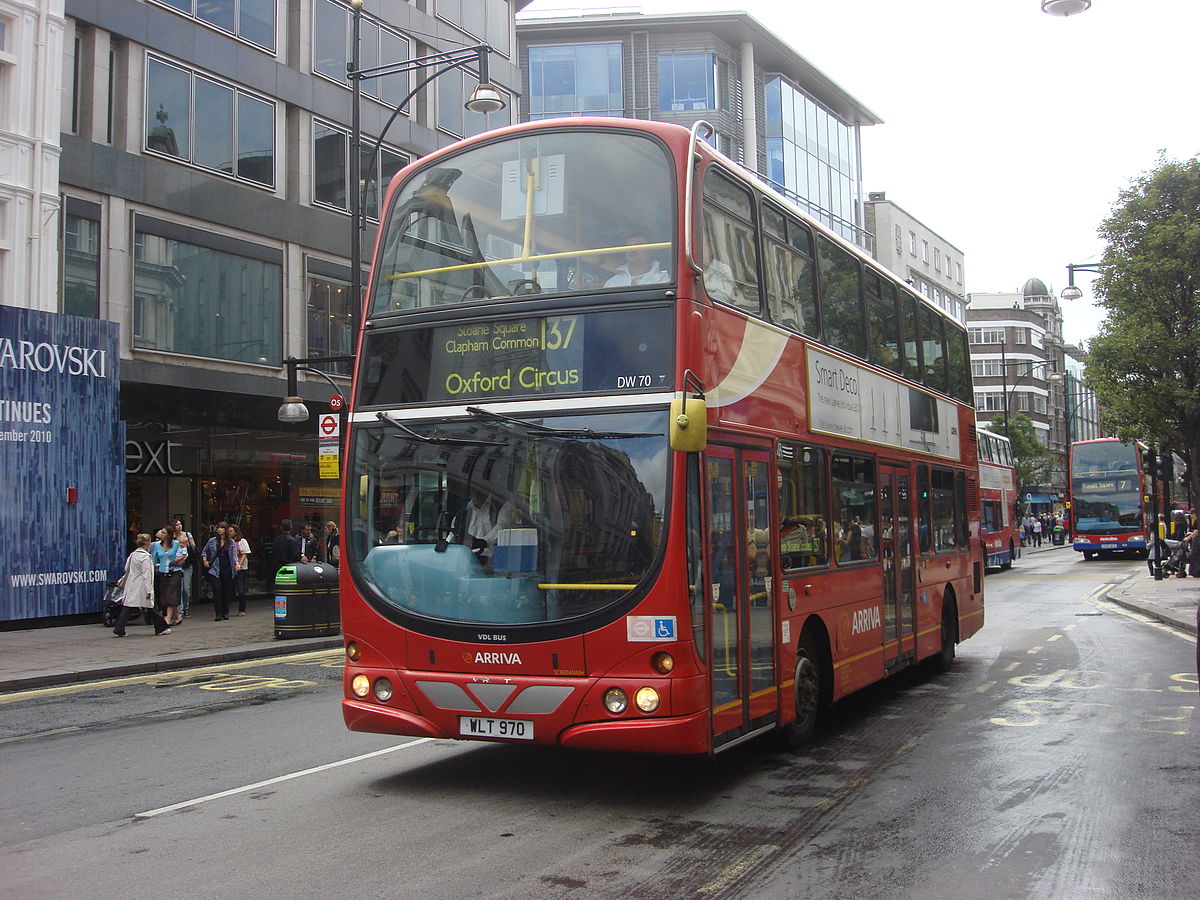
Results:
x,y
1089,554
944,658
809,688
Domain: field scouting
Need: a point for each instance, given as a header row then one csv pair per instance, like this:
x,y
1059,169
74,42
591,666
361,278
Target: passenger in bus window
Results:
x,y
639,267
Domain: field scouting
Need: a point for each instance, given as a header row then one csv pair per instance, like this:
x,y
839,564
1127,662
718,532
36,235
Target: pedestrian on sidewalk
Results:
x,y
243,566
168,575
188,543
1192,539
220,558
138,586
333,541
1037,532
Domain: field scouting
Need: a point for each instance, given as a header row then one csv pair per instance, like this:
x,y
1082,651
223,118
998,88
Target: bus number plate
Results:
x,y
514,729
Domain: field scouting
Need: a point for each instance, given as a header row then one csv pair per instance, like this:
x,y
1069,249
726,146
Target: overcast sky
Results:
x,y
1007,131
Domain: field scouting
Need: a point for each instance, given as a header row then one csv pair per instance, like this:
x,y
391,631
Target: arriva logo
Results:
x,y
865,620
497,659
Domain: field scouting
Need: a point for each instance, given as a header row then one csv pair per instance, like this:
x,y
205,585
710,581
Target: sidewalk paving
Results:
x,y
38,657
46,656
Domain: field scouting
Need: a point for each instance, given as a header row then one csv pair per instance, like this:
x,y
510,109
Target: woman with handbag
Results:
x,y
138,585
220,557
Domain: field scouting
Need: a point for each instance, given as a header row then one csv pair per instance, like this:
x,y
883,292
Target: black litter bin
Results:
x,y
306,601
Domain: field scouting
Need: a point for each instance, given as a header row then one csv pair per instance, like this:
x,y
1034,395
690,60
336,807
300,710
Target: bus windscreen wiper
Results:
x,y
546,430
435,438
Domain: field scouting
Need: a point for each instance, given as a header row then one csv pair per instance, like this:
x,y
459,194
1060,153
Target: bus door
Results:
x,y
899,566
742,608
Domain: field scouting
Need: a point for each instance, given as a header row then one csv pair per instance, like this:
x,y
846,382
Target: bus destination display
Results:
x,y
624,351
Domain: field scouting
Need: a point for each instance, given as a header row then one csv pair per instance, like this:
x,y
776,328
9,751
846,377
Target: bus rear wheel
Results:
x,y
1012,554
809,690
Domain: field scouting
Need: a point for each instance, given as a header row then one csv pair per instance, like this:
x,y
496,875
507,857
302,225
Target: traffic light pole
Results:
x,y
1150,465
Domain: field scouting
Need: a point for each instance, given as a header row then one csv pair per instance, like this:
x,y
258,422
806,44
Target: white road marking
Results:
x,y
261,784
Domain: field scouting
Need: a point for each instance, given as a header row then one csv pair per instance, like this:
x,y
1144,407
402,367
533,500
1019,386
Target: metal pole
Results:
x,y
356,200
1004,385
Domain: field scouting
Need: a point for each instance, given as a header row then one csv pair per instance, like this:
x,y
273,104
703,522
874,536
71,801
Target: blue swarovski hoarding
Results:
x,y
62,463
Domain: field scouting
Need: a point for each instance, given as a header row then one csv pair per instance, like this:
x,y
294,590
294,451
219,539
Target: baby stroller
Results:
x,y
113,601
1176,563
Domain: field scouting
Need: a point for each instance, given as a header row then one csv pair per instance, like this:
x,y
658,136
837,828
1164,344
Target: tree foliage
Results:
x,y
1144,364
1033,462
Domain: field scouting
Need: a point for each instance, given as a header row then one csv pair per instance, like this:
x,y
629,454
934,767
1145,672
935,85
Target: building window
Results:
x,y
687,81
331,321
251,20
206,296
378,46
227,130
487,20
331,175
925,252
937,259
575,79
452,90
811,156
986,335
899,240
912,243
989,402
81,263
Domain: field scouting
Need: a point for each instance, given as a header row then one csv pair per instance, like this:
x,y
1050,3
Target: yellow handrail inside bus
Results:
x,y
462,267
530,186
586,587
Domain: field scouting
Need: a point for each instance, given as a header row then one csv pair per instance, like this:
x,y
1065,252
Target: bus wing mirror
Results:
x,y
689,425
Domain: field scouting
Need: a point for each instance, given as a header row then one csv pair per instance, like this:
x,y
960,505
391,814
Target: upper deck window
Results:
x,y
558,212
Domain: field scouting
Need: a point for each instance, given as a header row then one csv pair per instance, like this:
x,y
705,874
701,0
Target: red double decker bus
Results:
x,y
1110,498
999,523
641,457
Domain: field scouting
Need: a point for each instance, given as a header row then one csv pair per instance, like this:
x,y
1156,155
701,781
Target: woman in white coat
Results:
x,y
138,589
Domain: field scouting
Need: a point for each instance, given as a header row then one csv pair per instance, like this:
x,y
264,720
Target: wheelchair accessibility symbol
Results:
x,y
650,628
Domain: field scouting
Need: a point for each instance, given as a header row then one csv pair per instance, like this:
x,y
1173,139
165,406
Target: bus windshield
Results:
x,y
560,212
508,521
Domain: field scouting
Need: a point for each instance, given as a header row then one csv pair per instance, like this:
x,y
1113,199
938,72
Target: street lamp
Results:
x,y
292,410
485,98
1065,7
1070,292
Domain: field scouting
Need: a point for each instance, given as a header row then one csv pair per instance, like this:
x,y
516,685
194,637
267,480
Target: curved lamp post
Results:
x,y
485,98
1070,292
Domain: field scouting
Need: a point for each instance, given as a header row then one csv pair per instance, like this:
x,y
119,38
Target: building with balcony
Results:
x,y
1021,365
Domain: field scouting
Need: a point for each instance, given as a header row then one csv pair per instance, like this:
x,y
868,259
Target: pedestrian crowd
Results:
x,y
160,570
1035,529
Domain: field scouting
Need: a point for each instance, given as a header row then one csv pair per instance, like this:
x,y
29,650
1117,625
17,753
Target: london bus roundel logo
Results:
x,y
336,402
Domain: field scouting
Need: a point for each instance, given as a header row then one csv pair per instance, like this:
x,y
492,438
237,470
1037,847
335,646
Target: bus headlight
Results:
x,y
360,685
662,662
616,701
383,690
646,699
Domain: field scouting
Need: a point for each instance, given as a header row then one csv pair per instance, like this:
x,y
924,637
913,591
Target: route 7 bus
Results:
x,y
641,457
999,524
1109,498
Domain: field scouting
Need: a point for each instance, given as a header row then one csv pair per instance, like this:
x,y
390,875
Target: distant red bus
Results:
x,y
999,527
1110,509
641,457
